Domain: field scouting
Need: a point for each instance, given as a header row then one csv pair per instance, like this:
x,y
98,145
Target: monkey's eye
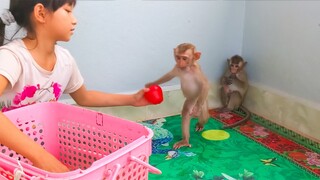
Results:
x,y
235,65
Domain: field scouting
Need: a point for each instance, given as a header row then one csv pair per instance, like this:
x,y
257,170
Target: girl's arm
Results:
x,y
14,139
92,98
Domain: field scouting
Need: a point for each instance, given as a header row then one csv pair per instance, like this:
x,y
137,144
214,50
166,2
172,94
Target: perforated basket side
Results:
x,y
85,139
86,136
28,124
82,144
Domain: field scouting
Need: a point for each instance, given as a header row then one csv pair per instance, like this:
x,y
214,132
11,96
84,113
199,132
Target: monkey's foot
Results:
x,y
199,127
182,143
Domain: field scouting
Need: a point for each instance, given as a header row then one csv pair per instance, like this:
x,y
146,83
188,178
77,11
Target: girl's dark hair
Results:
x,y
21,10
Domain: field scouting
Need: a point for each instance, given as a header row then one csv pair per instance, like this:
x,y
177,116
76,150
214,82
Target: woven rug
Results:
x,y
247,152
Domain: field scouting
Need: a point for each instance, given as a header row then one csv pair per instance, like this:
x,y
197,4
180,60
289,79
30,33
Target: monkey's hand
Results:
x,y
226,89
195,111
242,77
148,84
182,143
227,80
201,102
233,76
224,81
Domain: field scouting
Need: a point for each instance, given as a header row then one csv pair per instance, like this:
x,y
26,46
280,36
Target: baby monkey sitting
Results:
x,y
195,88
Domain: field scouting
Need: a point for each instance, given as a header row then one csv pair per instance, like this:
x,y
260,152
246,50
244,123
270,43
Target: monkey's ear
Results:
x,y
174,51
229,62
197,55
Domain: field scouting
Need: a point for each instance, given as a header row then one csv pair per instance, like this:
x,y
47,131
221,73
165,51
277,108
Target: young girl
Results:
x,y
35,69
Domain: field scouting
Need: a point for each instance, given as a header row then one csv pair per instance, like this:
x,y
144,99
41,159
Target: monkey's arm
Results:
x,y
242,77
165,78
226,79
241,81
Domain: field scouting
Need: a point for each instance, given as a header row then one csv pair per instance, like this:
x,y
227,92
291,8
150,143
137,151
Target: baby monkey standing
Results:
x,y
234,87
194,86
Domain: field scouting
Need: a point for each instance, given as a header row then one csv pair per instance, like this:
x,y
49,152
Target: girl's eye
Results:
x,y
67,9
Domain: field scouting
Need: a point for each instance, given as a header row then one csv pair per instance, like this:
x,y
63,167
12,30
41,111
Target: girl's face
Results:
x,y
61,23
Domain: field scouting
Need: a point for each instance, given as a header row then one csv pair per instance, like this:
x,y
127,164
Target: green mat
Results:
x,y
237,157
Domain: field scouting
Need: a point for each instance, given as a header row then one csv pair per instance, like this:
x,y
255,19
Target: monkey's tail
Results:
x,y
245,119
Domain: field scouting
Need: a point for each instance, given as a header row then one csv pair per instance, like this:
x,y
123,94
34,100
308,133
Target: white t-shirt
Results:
x,y
29,83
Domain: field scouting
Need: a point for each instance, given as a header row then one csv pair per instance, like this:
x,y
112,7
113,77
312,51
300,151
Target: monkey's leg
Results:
x,y
185,124
235,103
203,117
234,100
224,97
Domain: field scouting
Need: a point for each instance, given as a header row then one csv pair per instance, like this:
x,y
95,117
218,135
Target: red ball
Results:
x,y
154,95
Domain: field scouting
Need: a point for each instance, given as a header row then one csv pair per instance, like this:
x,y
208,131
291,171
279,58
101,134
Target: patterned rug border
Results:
x,y
282,131
290,159
294,136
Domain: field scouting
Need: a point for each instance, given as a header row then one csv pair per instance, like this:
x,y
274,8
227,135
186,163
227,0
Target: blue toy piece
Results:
x,y
160,138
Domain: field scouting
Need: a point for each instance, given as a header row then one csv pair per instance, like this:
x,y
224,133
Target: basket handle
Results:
x,y
152,169
114,174
18,172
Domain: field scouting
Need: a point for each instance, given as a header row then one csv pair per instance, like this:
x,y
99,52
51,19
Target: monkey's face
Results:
x,y
184,59
234,68
236,64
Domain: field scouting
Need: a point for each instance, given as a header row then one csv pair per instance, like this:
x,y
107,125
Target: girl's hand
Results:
x,y
139,99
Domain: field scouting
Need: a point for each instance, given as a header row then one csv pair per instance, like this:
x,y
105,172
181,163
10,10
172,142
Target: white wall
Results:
x,y
121,45
282,45
4,4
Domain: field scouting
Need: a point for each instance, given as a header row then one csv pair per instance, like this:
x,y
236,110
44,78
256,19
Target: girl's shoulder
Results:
x,y
14,48
63,55
13,45
62,51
